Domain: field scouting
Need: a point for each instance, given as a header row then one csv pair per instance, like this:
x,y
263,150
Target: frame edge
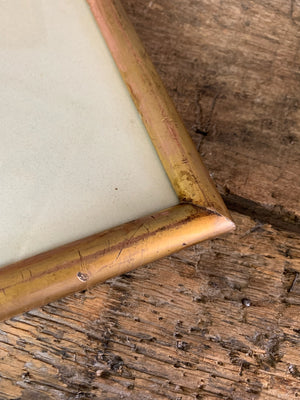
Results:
x,y
76,266
182,163
200,215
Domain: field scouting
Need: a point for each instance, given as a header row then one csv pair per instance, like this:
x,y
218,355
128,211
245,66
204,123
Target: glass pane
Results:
x,y
75,158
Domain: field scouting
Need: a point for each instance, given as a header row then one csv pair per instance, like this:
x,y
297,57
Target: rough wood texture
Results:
x,y
218,320
233,70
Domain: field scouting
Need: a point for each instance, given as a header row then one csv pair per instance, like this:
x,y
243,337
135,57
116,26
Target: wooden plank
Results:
x,y
217,320
221,319
233,70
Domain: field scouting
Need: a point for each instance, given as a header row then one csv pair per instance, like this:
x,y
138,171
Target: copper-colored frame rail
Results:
x,y
200,215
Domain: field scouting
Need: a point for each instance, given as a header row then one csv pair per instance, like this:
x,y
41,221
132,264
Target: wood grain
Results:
x,y
233,70
218,320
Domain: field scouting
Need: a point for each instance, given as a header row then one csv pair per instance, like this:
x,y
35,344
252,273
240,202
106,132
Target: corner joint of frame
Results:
x,y
223,218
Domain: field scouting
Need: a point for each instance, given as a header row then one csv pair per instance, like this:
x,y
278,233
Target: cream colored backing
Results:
x,y
75,158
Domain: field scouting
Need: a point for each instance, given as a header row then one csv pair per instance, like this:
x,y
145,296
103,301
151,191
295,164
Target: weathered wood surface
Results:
x,y
219,320
233,70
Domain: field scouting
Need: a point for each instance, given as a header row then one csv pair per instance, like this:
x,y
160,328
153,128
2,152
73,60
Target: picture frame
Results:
x,y
200,214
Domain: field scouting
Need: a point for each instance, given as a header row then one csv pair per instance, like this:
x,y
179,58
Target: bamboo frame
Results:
x,y
200,215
